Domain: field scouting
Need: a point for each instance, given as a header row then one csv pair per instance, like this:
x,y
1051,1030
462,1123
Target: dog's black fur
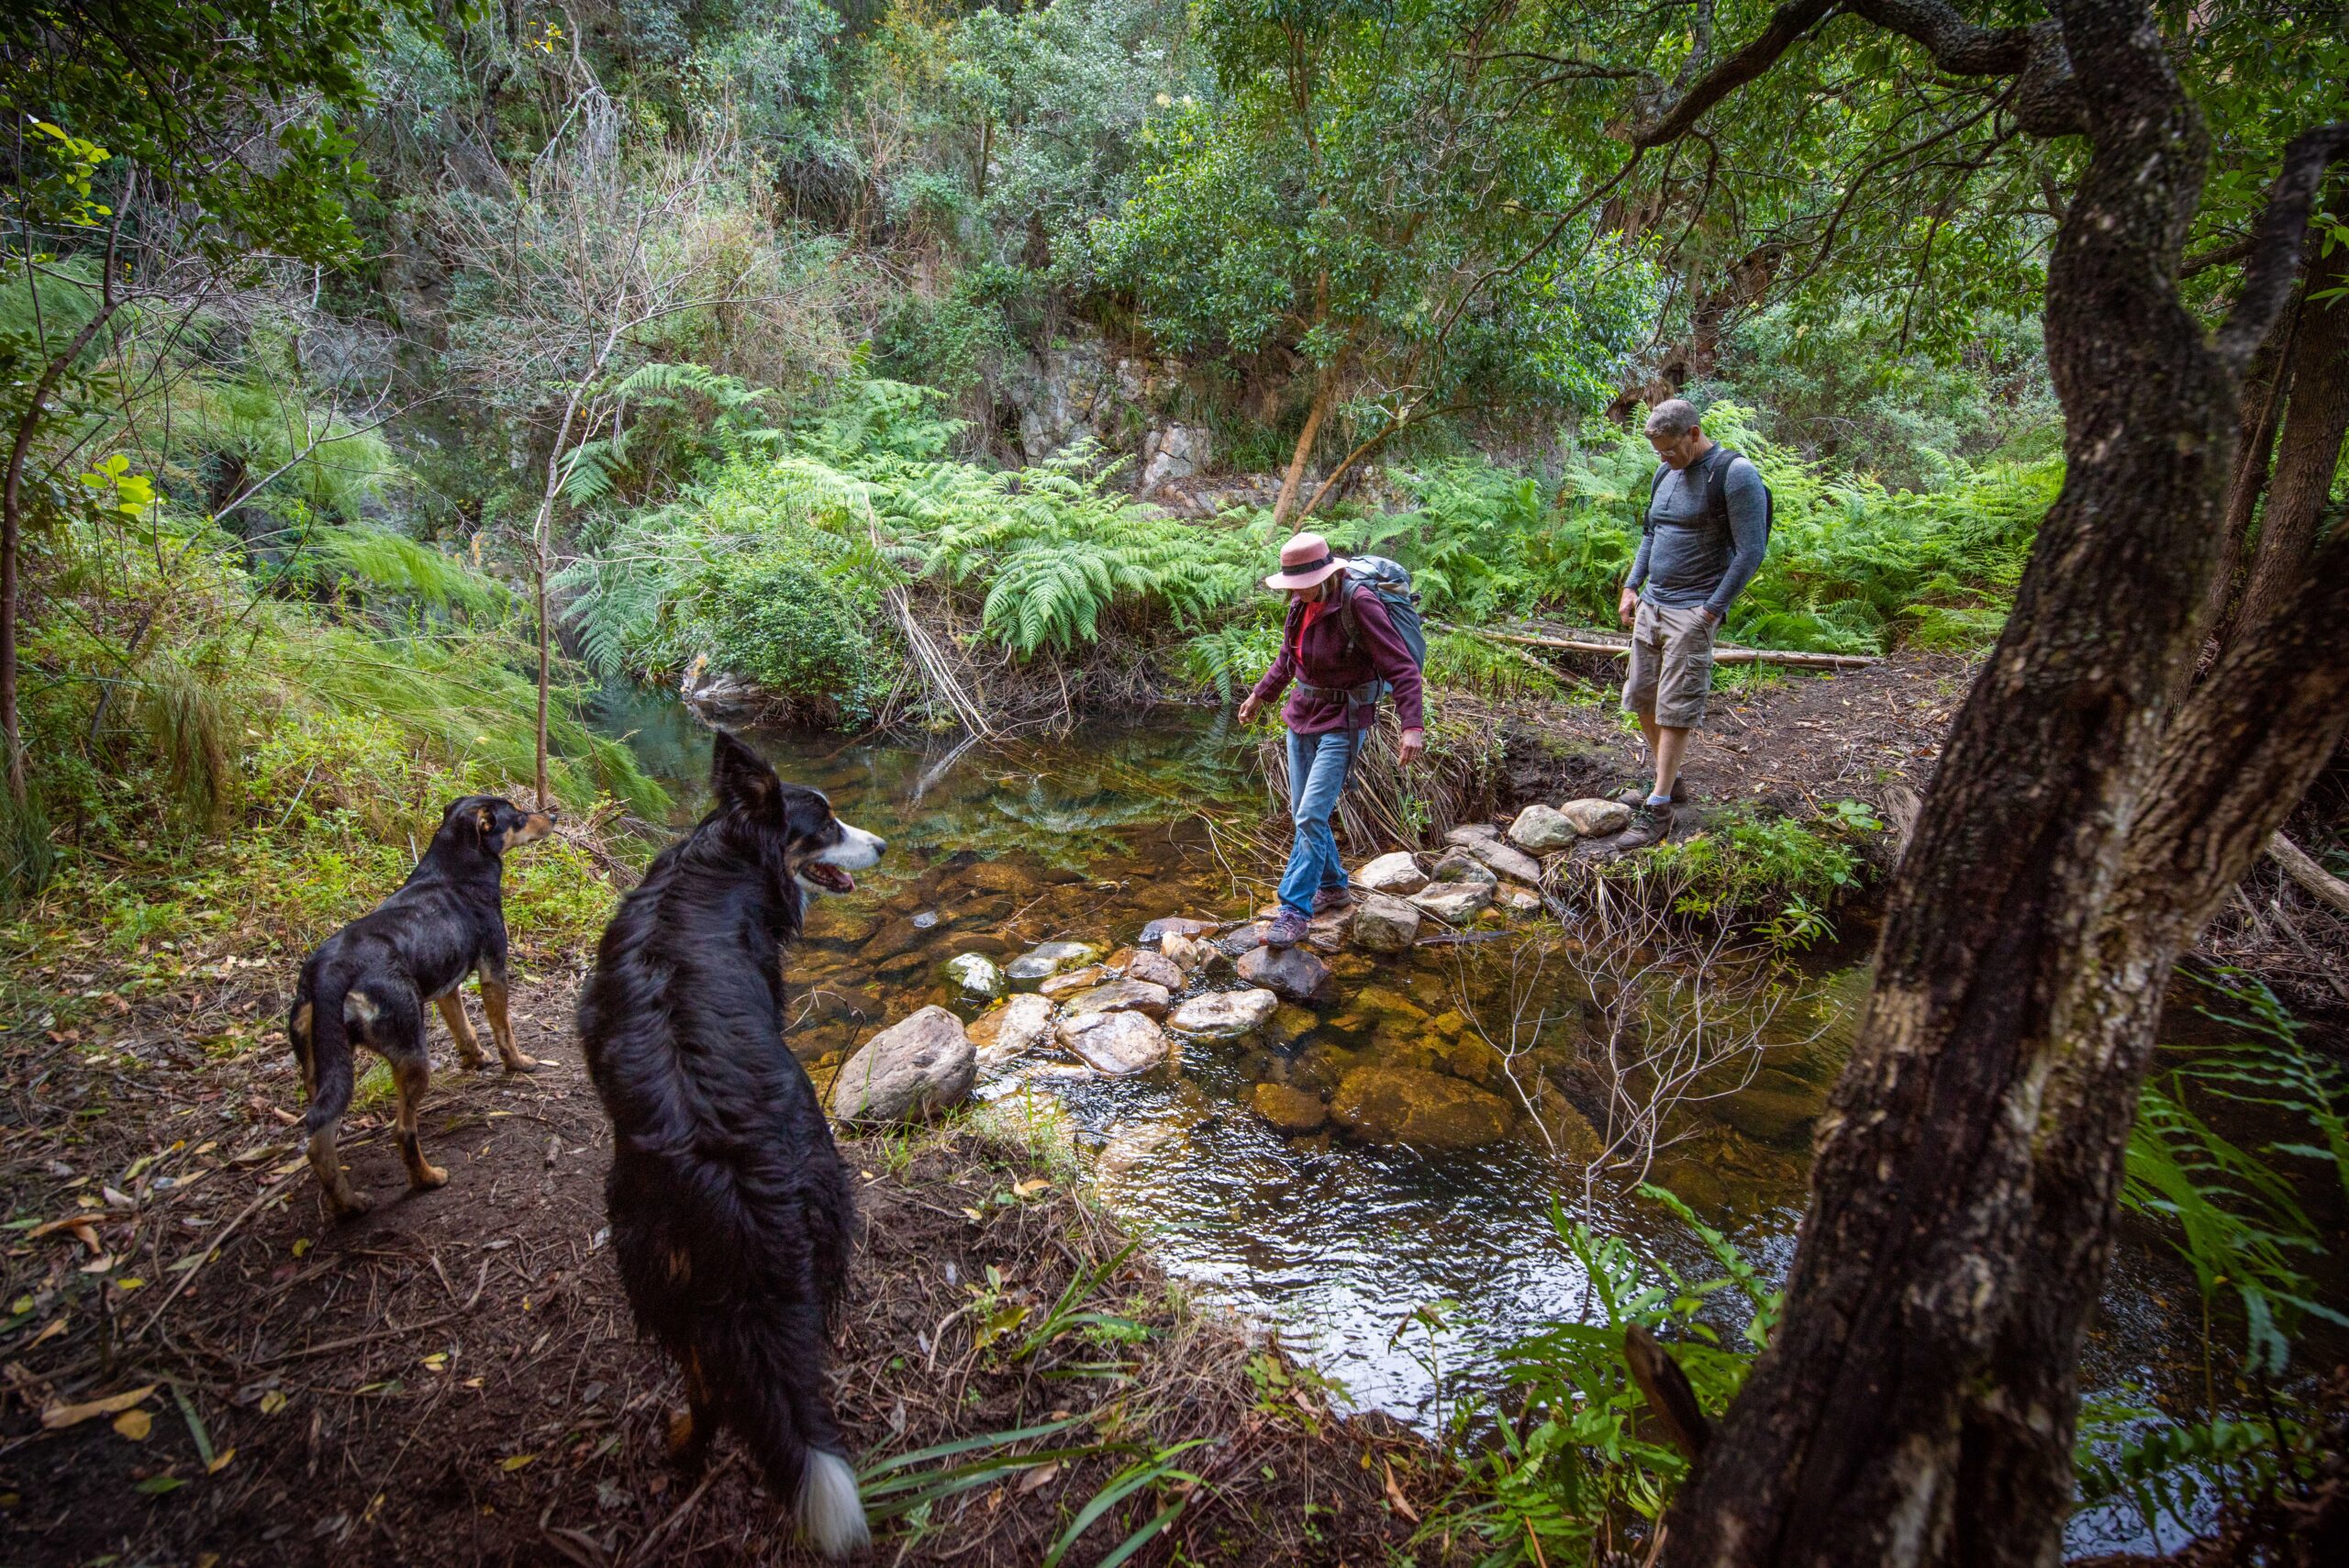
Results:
x,y
367,983
730,1209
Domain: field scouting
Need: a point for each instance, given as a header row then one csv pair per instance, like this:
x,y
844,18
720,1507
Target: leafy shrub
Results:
x,y
797,632
1777,870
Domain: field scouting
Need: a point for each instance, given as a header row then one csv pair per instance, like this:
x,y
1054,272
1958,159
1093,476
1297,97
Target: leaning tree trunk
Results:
x,y
2310,449
1916,1405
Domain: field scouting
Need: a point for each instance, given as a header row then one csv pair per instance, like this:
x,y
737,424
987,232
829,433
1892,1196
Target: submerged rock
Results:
x,y
1156,969
908,1071
1542,828
1012,1030
1517,900
1069,982
1455,903
1426,1110
1386,925
1120,1044
1562,1127
1292,973
1398,872
1119,996
1046,960
1594,818
1769,1113
1223,1015
1290,1110
977,976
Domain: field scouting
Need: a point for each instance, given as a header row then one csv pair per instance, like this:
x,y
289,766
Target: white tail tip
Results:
x,y
830,1513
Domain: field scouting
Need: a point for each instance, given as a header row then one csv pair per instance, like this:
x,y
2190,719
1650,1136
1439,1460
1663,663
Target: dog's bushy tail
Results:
x,y
329,1052
774,1399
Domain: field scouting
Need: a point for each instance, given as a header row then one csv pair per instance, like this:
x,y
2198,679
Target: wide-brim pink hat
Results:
x,y
1304,560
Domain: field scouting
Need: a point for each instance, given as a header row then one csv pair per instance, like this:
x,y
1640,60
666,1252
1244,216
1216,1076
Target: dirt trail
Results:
x,y
453,1378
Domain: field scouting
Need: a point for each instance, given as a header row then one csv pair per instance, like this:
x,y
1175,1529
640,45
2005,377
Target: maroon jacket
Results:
x,y
1330,666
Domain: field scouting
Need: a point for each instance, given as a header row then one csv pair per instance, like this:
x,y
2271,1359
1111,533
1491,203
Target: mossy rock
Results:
x,y
1424,1110
1290,1110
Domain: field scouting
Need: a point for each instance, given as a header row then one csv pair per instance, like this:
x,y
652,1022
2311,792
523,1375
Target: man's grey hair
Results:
x,y
1674,417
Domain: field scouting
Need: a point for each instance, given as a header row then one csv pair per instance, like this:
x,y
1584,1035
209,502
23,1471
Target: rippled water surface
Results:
x,y
1338,1243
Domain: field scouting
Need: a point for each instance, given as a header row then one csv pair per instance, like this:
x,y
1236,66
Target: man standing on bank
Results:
x,y
1340,675
1708,526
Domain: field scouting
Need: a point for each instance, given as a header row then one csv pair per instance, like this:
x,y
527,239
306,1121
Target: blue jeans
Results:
x,y
1318,766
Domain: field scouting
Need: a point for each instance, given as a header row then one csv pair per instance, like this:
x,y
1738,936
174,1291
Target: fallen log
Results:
x,y
1721,655
2302,868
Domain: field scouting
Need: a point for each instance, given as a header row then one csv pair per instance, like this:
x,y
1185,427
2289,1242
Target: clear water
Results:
x,y
1338,1245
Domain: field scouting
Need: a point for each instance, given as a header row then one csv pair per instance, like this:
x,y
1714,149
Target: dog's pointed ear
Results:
x,y
485,819
739,777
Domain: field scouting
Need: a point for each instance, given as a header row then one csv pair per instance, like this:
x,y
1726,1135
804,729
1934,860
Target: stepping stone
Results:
x,y
1223,1015
1292,973
1184,952
1046,960
1012,1030
1070,982
1471,833
1542,828
1119,996
1594,819
1455,903
908,1071
976,975
1510,863
1398,872
1290,1110
1156,968
1120,1044
1386,925
1178,926
1517,900
1459,865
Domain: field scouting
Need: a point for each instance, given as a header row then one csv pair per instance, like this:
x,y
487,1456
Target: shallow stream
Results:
x,y
1338,1244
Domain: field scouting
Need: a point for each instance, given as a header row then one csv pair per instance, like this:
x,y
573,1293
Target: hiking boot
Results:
x,y
1637,796
1650,825
1330,898
1287,930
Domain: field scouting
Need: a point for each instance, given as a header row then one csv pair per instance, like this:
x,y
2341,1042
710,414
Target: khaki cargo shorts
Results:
x,y
1672,665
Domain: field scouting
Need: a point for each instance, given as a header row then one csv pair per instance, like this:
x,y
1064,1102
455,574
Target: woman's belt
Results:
x,y
1368,692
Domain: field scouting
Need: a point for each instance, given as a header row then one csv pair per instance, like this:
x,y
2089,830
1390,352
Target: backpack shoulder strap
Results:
x,y
1347,619
1717,491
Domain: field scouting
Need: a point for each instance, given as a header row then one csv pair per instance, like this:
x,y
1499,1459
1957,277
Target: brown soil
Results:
x,y
453,1378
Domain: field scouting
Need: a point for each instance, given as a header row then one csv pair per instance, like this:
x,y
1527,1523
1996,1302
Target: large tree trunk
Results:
x,y
2265,384
1916,1405
1325,394
2309,451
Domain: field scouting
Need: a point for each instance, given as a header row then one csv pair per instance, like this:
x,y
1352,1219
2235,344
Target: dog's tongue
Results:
x,y
831,876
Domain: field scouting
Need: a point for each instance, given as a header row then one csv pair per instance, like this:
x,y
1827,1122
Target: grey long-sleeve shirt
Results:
x,y
1683,561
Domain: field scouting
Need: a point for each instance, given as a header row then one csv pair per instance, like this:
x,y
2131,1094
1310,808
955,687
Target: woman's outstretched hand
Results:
x,y
1414,743
1248,707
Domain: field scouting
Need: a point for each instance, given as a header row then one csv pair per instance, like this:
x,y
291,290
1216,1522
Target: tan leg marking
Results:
x,y
341,1197
413,1078
460,1028
493,1002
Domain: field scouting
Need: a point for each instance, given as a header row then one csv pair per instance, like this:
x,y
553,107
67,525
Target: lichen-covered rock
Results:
x,y
1045,960
1455,903
1223,1015
1594,818
1425,1110
1398,872
1509,862
1289,1109
1459,865
1542,828
1386,925
1119,996
1292,973
908,1071
1071,981
977,976
1120,1044
1011,1029
1155,968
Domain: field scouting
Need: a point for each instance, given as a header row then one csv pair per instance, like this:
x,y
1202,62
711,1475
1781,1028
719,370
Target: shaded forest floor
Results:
x,y
453,1377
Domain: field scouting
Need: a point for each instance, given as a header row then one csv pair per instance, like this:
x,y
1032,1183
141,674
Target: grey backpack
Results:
x,y
1391,581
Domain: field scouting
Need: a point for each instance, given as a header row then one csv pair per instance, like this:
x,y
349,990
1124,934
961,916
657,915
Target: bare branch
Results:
x,y
2277,240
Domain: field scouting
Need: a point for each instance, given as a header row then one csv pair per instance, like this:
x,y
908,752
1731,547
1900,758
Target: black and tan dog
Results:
x,y
368,983
730,1210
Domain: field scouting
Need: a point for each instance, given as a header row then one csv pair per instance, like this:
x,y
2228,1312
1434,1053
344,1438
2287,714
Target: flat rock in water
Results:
x,y
1157,968
977,976
1455,903
1011,1029
1241,940
1292,973
1327,932
1178,926
1047,959
1290,1110
1070,982
1594,818
1398,872
1119,1044
1119,996
1459,865
1542,828
1223,1015
896,936
1386,925
1518,900
1469,833
1425,1110
908,1071
925,920
1509,862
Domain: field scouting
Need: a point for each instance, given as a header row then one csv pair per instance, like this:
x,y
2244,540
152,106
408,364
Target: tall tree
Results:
x,y
2093,806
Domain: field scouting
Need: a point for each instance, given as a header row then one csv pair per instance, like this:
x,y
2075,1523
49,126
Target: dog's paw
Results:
x,y
428,1177
349,1205
518,1063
